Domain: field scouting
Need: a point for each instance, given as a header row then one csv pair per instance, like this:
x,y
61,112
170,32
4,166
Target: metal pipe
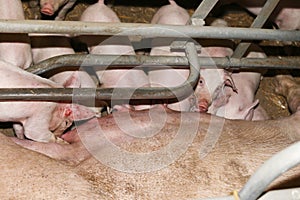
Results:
x,y
192,55
202,11
104,96
63,11
258,22
102,62
144,30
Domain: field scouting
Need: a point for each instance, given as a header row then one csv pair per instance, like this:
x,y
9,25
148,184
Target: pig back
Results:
x,y
240,149
14,77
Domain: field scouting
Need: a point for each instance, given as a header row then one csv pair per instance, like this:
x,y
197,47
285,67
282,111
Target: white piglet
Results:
x,y
114,45
212,81
45,46
14,48
242,104
38,120
174,15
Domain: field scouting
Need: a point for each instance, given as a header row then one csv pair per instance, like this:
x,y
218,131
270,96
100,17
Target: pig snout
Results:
x,y
47,9
203,105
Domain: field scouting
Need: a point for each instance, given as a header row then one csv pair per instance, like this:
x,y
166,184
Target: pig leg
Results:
x,y
71,154
19,131
36,128
74,152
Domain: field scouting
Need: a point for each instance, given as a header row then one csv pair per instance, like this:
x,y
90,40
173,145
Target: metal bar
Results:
x,y
104,96
258,22
192,56
63,11
204,8
102,62
144,30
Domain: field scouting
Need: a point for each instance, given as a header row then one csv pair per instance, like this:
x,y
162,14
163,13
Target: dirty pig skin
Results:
x,y
241,148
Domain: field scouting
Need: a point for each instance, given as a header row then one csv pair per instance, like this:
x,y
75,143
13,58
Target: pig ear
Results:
x,y
228,81
76,112
73,81
249,111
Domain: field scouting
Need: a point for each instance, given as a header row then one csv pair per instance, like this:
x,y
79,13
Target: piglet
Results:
x,y
242,104
114,45
212,81
41,121
49,7
46,46
14,48
174,15
215,79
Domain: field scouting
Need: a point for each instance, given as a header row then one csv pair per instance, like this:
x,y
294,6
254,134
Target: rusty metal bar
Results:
x,y
258,22
78,61
145,30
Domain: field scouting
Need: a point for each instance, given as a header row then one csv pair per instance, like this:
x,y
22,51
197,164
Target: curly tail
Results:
x,y
172,2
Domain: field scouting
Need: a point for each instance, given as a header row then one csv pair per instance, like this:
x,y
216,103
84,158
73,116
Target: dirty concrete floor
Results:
x,y
274,104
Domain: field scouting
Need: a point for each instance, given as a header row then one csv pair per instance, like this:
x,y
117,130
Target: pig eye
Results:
x,y
67,124
201,81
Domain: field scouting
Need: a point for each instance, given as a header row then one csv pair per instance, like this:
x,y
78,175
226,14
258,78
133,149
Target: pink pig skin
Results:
x,y
210,79
174,15
14,48
243,146
45,46
114,45
41,121
49,7
242,105
286,14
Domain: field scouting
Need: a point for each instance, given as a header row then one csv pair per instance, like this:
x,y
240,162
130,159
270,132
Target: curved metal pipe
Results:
x,y
103,96
102,62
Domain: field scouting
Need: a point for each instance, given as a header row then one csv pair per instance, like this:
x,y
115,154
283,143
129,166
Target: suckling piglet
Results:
x,y
38,120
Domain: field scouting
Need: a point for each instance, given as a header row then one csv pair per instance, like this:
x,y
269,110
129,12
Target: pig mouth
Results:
x,y
203,105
